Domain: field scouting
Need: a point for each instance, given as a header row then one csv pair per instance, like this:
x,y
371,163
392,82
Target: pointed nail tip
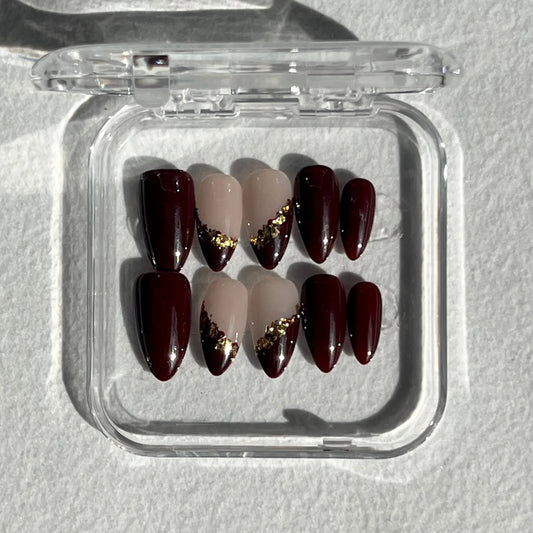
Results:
x,y
318,260
164,377
270,368
273,374
164,268
325,368
216,267
218,261
217,371
217,363
267,264
364,359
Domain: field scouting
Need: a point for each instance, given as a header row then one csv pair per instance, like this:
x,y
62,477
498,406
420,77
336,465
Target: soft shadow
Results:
x,y
291,164
130,270
299,272
241,168
349,279
199,171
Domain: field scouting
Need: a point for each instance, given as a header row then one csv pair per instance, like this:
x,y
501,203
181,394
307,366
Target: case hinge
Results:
x,y
290,104
151,80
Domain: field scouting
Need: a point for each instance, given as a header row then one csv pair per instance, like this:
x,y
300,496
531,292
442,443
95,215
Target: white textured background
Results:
x,y
57,473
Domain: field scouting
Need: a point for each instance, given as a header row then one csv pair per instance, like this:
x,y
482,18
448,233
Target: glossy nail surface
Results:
x,y
323,310
164,320
316,204
167,206
358,203
218,218
363,312
222,323
267,198
274,322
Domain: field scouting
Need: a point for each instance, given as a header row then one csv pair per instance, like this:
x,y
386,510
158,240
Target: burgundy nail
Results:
x,y
274,322
218,218
363,312
316,202
358,203
167,201
222,323
323,311
164,320
267,199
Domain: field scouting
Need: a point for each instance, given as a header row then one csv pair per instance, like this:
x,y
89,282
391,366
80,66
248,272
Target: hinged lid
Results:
x,y
219,75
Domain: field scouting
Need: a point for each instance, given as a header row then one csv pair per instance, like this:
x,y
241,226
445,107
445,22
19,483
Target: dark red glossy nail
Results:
x,y
316,203
363,312
167,200
358,203
323,310
164,320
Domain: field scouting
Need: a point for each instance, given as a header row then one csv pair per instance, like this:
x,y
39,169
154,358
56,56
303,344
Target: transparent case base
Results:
x,y
380,410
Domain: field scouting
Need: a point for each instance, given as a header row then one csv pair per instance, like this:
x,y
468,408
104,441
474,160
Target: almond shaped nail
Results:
x,y
167,205
274,322
164,320
363,310
316,204
218,218
222,323
358,203
323,311
267,198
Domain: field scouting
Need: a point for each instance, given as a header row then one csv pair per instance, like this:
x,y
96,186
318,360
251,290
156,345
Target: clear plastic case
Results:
x,y
235,107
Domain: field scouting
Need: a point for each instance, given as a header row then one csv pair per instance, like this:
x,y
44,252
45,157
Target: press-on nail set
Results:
x,y
163,300
233,310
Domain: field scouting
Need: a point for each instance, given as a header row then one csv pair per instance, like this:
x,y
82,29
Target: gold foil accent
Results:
x,y
271,230
209,328
219,239
227,346
275,331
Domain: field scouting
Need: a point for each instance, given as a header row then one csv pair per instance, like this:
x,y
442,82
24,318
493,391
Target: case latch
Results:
x,y
151,80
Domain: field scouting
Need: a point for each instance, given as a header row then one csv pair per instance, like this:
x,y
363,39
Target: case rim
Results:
x,y
217,75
